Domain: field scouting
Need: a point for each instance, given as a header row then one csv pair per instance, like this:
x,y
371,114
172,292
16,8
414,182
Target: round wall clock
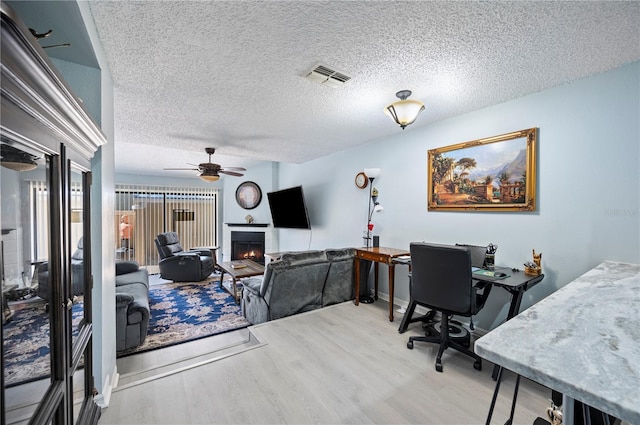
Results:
x,y
248,195
361,180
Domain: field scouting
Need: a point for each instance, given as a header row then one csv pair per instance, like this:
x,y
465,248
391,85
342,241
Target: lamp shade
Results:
x,y
16,159
19,166
404,111
372,173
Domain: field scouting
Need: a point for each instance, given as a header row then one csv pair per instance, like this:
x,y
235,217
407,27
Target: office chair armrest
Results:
x,y
480,287
482,290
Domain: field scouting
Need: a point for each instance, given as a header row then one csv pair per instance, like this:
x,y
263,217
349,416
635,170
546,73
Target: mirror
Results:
x,y
26,318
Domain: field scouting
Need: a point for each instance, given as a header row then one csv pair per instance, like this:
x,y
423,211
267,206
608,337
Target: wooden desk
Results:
x,y
378,255
238,269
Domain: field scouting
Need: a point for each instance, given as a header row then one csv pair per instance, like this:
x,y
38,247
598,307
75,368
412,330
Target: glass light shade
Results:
x,y
19,166
210,177
404,112
372,173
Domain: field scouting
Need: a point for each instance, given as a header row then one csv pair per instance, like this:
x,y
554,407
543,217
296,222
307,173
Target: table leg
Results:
x,y
234,288
495,396
568,412
221,278
407,316
516,300
375,274
514,308
356,300
392,275
7,314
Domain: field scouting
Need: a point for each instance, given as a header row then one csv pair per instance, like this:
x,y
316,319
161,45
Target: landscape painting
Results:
x,y
493,174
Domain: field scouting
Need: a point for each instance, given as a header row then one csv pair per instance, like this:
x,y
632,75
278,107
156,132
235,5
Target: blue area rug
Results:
x,y
26,342
180,312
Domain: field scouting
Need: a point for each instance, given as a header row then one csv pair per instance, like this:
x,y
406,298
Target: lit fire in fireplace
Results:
x,y
247,246
249,255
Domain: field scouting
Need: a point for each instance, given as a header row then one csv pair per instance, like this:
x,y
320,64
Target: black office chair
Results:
x,y
442,281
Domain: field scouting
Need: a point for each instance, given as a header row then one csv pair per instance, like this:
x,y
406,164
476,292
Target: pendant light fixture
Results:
x,y
404,111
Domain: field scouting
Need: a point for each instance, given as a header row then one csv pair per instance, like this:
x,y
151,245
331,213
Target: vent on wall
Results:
x,y
324,75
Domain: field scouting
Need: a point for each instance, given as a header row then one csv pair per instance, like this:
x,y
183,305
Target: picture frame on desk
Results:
x,y
496,173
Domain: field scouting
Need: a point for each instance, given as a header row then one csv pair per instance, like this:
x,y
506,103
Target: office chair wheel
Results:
x,y
438,365
410,345
477,365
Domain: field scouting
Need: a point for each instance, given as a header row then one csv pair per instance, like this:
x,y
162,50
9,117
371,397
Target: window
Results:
x,y
142,212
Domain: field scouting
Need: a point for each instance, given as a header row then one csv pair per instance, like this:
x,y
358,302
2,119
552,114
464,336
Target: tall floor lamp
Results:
x,y
373,204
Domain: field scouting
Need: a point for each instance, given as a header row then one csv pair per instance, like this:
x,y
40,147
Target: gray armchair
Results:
x,y
132,305
77,275
179,265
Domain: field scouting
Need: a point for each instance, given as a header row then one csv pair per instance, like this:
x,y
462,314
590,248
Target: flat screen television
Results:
x,y
288,209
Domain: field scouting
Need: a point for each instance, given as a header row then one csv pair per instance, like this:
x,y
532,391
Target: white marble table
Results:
x,y
583,340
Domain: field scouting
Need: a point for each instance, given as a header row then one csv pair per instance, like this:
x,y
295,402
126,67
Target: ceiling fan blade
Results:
x,y
174,169
231,173
234,169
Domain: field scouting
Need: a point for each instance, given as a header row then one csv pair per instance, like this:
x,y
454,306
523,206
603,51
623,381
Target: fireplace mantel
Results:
x,y
270,236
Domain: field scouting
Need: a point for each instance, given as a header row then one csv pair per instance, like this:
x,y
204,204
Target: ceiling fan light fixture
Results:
x,y
16,159
209,177
19,166
209,171
404,111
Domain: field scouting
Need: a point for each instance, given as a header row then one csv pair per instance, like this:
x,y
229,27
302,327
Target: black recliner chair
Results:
x,y
441,280
179,265
77,275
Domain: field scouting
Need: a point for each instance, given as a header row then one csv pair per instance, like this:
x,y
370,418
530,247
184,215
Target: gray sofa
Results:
x,y
132,305
299,282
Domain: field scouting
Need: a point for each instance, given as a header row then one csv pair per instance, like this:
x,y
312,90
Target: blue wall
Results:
x,y
588,186
588,204
84,81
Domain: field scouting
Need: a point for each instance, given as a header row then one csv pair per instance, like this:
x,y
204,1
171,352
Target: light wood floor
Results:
x,y
339,365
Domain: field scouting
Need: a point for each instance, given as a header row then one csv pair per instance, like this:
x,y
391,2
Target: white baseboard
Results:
x,y
103,398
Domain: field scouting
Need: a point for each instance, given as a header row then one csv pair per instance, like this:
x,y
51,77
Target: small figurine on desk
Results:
x,y
534,268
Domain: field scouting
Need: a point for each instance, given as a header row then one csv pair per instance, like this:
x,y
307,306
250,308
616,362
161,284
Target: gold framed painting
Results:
x,y
492,174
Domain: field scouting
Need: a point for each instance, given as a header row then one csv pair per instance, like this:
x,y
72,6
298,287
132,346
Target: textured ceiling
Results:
x,y
230,74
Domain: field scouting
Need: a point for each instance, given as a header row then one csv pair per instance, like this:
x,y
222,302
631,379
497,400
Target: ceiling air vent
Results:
x,y
327,76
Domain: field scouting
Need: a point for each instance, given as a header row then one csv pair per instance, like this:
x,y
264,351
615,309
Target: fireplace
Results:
x,y
247,245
